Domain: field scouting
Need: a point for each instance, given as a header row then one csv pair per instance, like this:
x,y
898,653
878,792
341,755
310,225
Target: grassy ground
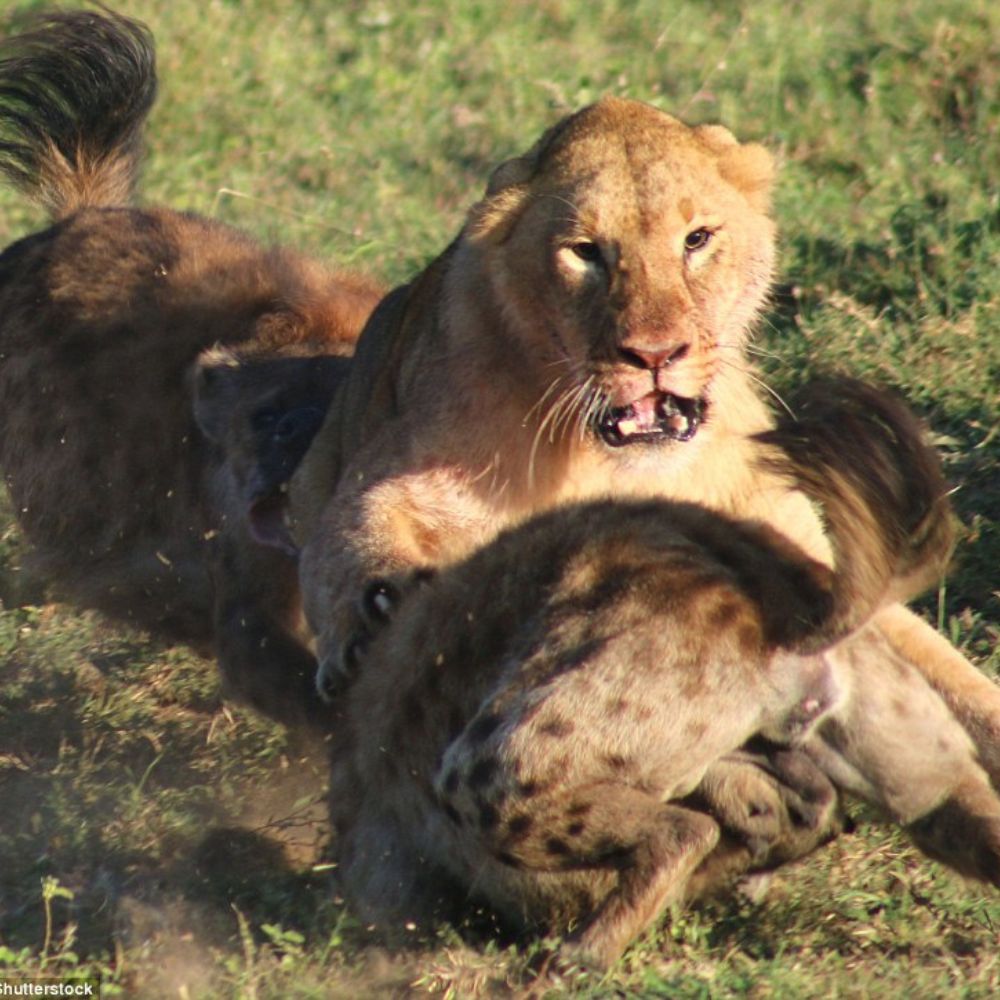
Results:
x,y
173,845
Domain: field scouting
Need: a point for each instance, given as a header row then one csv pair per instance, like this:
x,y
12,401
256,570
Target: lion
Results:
x,y
133,342
583,337
538,758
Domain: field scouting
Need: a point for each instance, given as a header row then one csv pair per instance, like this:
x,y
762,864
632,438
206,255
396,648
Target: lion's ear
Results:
x,y
511,173
717,137
507,187
491,218
750,169
520,169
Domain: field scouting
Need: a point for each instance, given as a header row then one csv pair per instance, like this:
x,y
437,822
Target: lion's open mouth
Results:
x,y
656,417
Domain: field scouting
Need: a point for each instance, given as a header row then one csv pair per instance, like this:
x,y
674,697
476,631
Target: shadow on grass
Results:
x,y
901,295
923,264
152,822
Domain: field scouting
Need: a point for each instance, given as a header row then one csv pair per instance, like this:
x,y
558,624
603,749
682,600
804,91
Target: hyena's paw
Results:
x,y
777,803
811,803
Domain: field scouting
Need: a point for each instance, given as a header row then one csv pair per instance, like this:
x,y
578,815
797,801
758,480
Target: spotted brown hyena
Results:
x,y
529,725
134,341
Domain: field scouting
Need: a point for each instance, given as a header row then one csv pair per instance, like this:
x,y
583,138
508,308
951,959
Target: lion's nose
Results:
x,y
653,358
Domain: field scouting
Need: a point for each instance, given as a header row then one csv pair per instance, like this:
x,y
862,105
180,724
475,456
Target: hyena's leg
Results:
x,y
649,847
895,742
660,845
972,696
262,661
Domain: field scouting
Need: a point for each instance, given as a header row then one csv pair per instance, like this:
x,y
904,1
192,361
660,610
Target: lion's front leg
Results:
x,y
895,743
372,544
377,605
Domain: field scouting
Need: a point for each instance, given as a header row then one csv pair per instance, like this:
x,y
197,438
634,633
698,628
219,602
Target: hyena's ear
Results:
x,y
215,382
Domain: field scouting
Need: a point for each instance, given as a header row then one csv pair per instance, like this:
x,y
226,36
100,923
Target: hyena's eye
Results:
x,y
264,419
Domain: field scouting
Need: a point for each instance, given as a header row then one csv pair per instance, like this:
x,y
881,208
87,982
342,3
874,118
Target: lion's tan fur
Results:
x,y
455,419
467,407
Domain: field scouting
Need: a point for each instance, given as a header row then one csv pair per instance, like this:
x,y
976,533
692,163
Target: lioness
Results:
x,y
584,336
608,653
104,319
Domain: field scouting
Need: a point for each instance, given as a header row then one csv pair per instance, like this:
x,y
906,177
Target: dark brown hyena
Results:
x,y
117,324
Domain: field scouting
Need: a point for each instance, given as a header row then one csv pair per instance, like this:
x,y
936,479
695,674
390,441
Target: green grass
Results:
x,y
184,837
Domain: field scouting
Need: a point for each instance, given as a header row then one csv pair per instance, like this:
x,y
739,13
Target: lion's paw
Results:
x,y
372,613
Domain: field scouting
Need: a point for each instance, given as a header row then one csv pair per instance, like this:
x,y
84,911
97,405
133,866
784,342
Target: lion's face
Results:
x,y
631,253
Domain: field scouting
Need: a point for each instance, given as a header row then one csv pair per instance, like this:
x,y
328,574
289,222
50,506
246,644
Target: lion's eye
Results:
x,y
588,252
697,239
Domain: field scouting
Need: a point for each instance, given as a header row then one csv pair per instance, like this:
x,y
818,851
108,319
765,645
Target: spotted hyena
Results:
x,y
533,724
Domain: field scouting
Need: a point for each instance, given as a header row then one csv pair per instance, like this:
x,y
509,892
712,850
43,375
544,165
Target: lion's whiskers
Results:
x,y
570,409
750,374
550,415
573,208
558,417
541,399
597,406
752,349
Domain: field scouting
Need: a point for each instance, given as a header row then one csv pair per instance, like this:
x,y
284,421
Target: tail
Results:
x,y
75,90
860,454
